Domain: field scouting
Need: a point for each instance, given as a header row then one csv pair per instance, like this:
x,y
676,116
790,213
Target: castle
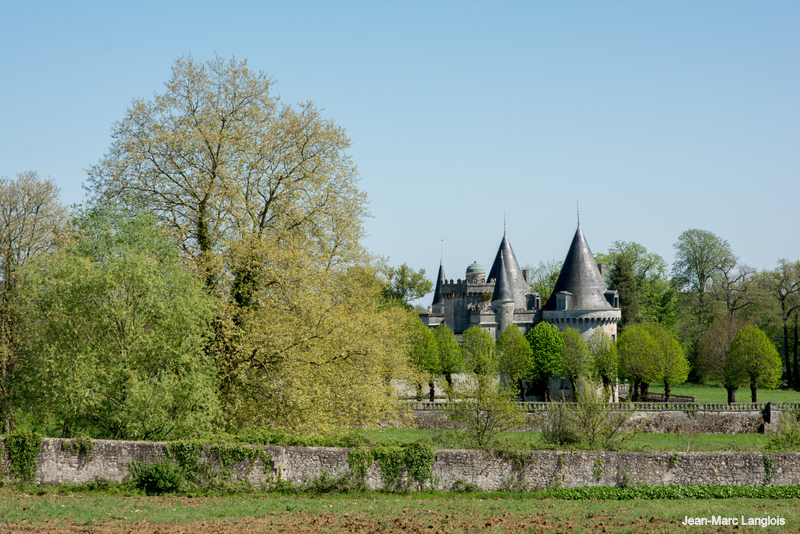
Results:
x,y
579,300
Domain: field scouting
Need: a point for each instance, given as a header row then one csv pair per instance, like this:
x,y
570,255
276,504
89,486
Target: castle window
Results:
x,y
562,300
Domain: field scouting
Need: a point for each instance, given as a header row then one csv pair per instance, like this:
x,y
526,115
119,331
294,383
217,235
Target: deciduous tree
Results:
x,y
637,357
713,352
424,356
31,221
671,364
116,332
605,359
479,351
404,284
753,359
546,343
451,360
515,356
575,357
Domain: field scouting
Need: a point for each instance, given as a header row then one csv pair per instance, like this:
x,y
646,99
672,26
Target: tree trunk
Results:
x,y
731,394
635,395
666,390
643,388
753,393
521,384
432,390
419,391
790,378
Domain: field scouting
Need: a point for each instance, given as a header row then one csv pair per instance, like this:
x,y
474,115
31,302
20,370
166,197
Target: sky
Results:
x,y
654,117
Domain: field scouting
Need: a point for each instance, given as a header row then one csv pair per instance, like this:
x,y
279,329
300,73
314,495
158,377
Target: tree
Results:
x,y
450,359
575,357
31,220
604,358
699,258
622,279
515,356
783,284
479,351
754,360
424,356
713,352
543,278
116,333
264,202
218,158
405,284
546,343
637,350
671,364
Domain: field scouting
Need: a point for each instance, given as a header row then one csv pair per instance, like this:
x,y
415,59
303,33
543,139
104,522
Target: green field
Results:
x,y
706,393
379,513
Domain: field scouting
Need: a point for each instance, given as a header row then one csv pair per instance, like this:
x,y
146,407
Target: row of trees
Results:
x,y
707,291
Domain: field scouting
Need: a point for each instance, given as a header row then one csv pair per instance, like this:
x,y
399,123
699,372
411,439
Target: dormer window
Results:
x,y
562,300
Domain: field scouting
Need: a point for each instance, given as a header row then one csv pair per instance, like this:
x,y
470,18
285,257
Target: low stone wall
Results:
x,y
656,422
539,469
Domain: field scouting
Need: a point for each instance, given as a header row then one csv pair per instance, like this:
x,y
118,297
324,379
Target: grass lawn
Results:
x,y
379,513
642,442
706,393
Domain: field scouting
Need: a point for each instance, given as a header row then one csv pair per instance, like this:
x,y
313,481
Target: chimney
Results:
x,y
602,267
526,274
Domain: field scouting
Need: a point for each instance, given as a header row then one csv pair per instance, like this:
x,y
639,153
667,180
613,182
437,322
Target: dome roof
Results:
x,y
476,268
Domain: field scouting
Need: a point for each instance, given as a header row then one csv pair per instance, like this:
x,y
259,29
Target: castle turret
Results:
x,y
437,307
518,287
579,299
503,298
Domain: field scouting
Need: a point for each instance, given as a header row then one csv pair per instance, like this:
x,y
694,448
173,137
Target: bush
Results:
x,y
157,478
787,437
486,411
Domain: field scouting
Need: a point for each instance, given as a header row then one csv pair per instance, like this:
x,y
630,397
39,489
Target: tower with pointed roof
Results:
x,y
580,299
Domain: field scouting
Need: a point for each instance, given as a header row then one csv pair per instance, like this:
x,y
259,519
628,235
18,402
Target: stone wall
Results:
x,y
655,422
541,469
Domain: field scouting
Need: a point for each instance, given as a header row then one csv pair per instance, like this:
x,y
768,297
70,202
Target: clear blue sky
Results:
x,y
657,117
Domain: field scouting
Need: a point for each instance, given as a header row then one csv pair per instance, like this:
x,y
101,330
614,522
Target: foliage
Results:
x,y
575,357
753,359
157,478
31,223
22,448
423,354
116,333
405,284
80,446
485,410
637,349
514,355
543,278
546,343
479,351
590,421
622,279
787,437
671,365
604,357
415,458
451,360
713,353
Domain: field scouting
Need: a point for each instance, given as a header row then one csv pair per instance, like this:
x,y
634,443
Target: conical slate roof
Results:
x,y
502,287
437,293
506,260
581,277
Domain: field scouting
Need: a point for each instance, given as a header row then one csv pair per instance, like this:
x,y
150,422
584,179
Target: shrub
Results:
x,y
157,478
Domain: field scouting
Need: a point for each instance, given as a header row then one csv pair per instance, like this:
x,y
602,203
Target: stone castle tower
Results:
x,y
579,300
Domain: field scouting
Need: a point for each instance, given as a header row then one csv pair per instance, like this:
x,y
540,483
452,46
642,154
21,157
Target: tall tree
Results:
x,y
699,258
637,350
671,364
713,351
575,358
479,351
116,334
605,360
783,284
754,359
450,359
623,280
424,356
31,220
263,200
546,343
515,356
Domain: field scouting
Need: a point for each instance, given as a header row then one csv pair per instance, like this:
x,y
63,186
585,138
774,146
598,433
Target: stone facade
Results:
x,y
487,471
